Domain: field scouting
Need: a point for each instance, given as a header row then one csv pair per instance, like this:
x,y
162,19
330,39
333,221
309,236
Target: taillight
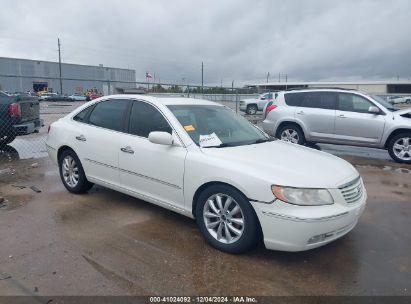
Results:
x,y
270,108
14,110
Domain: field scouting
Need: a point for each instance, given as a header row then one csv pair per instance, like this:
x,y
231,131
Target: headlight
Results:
x,y
301,196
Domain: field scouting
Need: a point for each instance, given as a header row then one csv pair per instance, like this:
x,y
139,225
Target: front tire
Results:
x,y
291,133
226,219
72,173
251,109
399,148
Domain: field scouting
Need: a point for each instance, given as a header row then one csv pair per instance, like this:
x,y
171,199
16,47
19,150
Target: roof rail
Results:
x,y
319,88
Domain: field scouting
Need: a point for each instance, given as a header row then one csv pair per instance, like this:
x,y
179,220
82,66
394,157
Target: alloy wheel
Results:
x,y
223,218
70,171
402,148
290,135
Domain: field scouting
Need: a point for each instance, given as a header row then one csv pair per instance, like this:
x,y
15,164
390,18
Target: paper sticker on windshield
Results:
x,y
189,128
210,140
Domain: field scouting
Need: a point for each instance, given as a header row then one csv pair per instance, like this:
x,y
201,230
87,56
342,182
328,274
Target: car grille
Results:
x,y
353,191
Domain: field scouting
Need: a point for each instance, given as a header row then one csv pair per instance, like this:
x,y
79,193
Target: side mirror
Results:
x,y
161,138
373,110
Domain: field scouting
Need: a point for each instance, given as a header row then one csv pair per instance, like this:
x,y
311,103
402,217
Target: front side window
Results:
x,y
109,114
230,128
144,118
353,103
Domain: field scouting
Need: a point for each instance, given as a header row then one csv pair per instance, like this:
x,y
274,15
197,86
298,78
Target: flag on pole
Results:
x,y
148,75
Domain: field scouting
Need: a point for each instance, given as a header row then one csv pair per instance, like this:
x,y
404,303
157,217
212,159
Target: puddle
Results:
x,y
385,168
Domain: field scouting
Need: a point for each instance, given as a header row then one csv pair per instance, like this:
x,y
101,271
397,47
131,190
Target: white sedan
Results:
x,y
201,159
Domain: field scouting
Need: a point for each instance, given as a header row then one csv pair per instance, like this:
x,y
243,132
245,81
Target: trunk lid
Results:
x,y
30,108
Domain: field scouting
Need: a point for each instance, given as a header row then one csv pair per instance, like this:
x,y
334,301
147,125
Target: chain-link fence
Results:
x,y
24,120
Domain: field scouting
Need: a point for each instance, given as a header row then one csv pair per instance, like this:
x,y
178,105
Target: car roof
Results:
x,y
165,100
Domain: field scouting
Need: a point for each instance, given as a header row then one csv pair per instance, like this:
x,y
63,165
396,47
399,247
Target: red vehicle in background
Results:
x,y
93,94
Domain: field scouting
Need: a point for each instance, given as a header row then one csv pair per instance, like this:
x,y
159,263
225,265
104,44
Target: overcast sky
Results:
x,y
237,40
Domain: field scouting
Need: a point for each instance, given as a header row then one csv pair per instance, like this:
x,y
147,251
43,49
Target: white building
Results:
x,y
22,75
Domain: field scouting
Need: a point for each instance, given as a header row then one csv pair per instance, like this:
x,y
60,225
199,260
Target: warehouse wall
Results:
x,y
92,76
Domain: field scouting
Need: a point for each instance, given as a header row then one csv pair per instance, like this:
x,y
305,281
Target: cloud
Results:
x,y
237,40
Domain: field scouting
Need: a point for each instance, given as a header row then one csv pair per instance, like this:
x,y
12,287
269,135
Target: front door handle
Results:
x,y
81,138
300,112
127,150
342,116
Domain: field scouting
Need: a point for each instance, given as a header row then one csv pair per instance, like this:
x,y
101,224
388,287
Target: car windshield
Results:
x,y
384,103
229,128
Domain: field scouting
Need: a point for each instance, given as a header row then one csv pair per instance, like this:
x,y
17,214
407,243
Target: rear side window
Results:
x,y
320,100
144,118
294,99
82,116
109,114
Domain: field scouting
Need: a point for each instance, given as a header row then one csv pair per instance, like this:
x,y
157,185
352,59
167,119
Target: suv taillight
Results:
x,y
14,110
270,108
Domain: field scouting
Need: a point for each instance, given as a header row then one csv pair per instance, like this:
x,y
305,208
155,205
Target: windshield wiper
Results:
x,y
223,145
263,140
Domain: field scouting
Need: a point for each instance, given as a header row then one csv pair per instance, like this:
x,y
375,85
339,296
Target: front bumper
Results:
x,y
243,107
28,127
297,228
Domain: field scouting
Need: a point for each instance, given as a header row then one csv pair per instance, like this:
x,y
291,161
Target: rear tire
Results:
x,y
251,109
399,148
72,173
240,229
291,133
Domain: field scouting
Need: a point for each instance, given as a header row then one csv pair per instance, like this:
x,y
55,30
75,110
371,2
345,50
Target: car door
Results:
x,y
149,169
354,123
317,114
97,141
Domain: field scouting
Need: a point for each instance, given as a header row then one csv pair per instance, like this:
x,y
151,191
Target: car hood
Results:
x,y
404,111
250,99
287,164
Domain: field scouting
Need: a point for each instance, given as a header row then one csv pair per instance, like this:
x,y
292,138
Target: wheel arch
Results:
x,y
205,186
289,122
63,148
395,133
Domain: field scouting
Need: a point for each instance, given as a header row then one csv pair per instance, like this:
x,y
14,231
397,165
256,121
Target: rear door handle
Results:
x,y
342,116
300,112
127,150
81,138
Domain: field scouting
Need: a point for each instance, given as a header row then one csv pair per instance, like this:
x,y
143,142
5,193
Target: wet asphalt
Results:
x,y
107,243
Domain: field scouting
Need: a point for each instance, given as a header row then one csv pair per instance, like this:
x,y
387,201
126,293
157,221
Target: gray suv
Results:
x,y
339,116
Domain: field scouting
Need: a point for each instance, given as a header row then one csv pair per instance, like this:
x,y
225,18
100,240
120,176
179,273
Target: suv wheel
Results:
x,y
400,148
292,134
251,109
408,101
72,173
226,219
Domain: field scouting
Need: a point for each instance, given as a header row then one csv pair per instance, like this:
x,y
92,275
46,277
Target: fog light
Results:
x,y
319,238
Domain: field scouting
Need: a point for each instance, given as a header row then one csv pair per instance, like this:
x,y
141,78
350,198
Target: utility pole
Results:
x,y
279,77
202,78
61,81
268,76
